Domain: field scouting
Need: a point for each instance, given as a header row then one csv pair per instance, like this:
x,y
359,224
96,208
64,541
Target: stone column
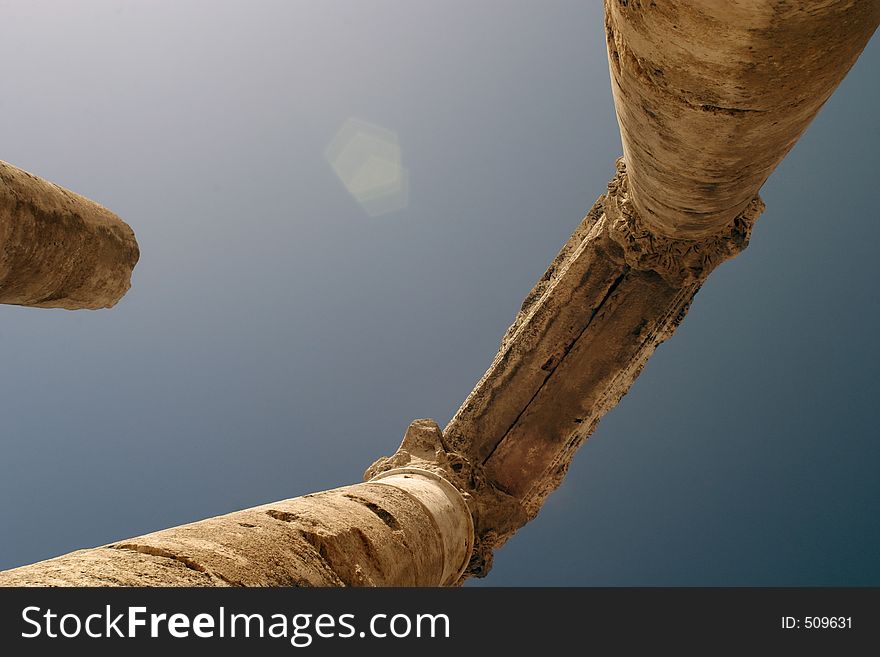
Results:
x,y
406,526
712,94
59,249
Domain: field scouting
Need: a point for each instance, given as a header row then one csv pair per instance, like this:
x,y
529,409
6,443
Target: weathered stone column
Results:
x,y
59,249
407,526
711,95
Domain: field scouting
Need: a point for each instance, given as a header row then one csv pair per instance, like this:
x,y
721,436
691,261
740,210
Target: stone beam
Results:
x,y
613,294
59,249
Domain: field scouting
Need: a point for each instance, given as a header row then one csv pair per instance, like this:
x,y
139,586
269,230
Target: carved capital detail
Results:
x,y
496,515
679,261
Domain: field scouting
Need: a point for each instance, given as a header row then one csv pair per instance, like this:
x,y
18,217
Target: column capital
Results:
x,y
679,261
496,515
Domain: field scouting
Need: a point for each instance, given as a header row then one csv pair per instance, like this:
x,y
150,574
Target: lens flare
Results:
x,y
367,159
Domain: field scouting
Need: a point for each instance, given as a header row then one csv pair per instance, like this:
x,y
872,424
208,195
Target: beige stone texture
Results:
x,y
59,249
368,534
712,94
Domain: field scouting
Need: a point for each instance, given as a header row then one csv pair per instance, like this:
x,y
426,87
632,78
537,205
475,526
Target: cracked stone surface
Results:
x,y
581,339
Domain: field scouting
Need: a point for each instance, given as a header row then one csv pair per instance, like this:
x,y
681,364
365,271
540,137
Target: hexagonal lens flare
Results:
x,y
367,159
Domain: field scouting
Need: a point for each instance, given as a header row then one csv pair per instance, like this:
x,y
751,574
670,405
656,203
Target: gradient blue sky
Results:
x,y
277,338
